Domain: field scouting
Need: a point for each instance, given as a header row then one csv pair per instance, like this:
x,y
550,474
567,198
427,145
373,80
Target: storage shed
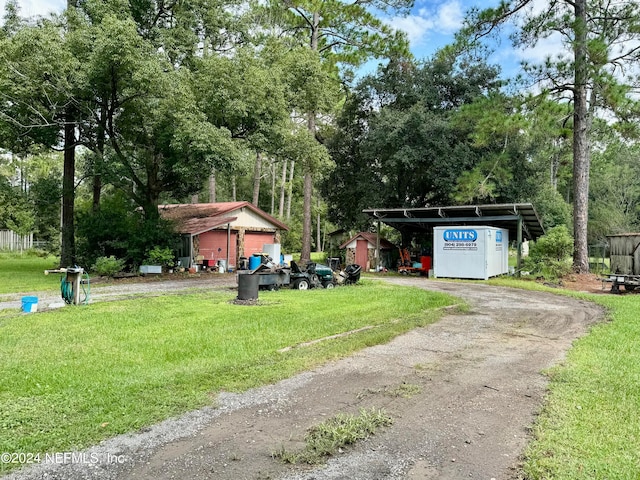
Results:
x,y
625,253
225,231
478,252
362,248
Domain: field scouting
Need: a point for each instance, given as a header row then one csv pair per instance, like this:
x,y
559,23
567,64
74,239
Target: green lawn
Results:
x,y
26,274
589,427
72,377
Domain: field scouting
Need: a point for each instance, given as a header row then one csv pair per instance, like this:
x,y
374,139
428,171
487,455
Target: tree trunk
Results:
x,y
318,230
212,187
68,248
305,254
273,187
293,167
283,184
257,172
581,160
98,162
195,198
68,231
233,188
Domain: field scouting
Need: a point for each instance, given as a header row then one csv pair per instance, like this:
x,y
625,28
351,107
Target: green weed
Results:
x,y
329,437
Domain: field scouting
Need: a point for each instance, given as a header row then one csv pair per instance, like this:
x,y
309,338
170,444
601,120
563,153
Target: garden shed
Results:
x,y
362,250
221,232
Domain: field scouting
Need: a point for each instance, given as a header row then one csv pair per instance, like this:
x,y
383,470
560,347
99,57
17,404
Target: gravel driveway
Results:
x,y
477,385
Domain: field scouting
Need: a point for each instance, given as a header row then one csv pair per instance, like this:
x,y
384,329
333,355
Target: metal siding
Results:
x,y
211,241
625,254
254,241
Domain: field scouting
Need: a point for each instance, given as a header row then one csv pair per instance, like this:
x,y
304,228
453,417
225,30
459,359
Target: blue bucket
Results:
x,y
29,304
254,262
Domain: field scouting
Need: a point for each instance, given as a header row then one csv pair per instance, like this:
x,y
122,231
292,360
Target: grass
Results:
x,y
73,377
25,274
328,437
589,427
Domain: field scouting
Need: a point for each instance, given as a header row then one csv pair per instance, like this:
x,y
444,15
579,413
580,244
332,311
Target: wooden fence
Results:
x,y
12,241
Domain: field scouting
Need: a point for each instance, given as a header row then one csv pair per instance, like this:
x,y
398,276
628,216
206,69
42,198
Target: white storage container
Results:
x,y
272,250
477,252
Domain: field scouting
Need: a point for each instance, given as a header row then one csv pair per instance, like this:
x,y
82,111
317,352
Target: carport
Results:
x,y
521,219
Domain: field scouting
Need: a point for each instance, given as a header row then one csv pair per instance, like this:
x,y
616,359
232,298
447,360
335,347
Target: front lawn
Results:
x,y
72,377
589,427
25,274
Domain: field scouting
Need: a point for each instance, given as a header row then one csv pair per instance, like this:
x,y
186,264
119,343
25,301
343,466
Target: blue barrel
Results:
x,y
29,304
254,261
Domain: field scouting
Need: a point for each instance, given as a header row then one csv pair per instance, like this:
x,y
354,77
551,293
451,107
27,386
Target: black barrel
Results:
x,y
248,286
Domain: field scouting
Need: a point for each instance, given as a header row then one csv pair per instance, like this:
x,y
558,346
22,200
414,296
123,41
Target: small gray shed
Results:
x,y
625,253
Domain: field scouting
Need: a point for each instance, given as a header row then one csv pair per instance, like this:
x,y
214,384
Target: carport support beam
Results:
x,y
519,257
228,246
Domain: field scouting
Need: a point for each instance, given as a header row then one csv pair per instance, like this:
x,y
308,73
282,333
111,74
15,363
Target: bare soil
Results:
x,y
477,383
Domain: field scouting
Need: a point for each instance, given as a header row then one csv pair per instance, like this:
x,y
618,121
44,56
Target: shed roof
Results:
x,y
498,215
371,238
195,218
196,226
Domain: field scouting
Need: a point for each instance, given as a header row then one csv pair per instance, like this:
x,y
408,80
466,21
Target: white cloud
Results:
x,y
416,27
449,17
431,24
30,8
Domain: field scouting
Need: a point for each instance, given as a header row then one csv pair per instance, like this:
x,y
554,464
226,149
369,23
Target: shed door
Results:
x,y
362,254
213,240
253,242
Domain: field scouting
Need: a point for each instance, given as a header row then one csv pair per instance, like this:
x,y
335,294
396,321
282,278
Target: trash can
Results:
x,y
29,304
248,285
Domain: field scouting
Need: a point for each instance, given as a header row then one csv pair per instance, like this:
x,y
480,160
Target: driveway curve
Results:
x,y
476,381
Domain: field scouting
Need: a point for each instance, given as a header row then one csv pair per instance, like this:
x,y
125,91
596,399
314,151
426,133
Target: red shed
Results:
x,y
361,250
221,231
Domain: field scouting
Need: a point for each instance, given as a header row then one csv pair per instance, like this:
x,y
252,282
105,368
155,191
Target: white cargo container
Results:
x,y
477,252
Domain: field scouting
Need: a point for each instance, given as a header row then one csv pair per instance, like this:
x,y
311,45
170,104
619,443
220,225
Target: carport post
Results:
x,y
228,245
519,257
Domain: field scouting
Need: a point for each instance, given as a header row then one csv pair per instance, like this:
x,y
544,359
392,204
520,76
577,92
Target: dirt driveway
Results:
x,y
476,382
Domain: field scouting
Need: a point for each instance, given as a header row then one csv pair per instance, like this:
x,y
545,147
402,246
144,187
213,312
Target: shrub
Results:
x,y
108,266
550,255
160,256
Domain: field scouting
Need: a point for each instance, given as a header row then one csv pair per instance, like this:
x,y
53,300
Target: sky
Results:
x,y
431,25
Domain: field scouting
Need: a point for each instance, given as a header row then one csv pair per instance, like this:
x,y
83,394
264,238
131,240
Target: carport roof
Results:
x,y
499,215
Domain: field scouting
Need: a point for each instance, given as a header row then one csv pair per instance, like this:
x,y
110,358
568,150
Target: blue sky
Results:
x,y
431,25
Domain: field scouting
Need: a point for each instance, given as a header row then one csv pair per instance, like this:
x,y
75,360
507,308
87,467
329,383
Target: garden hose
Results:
x,y
66,289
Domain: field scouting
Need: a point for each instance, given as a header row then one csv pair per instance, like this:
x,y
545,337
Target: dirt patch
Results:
x,y
475,381
586,282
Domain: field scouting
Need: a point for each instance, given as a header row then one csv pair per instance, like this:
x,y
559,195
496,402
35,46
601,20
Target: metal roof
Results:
x,y
500,215
371,238
196,226
195,218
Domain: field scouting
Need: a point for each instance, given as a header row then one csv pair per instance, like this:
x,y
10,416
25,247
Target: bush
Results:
x,y
160,256
550,255
108,266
